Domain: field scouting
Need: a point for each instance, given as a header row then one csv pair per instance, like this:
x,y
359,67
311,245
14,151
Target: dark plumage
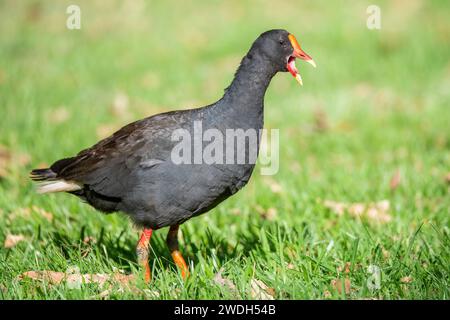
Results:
x,y
132,172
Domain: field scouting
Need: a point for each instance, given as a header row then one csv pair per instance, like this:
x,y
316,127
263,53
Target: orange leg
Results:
x,y
142,251
172,243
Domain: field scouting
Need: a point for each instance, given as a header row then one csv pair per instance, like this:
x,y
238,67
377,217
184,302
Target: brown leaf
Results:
x,y
447,177
20,212
55,277
337,207
89,240
48,276
356,209
236,211
47,215
22,159
9,159
347,267
274,186
337,285
320,120
327,294
407,279
104,294
385,253
395,180
105,130
374,212
12,240
120,104
290,266
59,115
269,214
224,282
151,293
378,212
260,291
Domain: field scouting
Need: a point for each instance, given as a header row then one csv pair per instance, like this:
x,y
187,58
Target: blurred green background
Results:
x,y
371,123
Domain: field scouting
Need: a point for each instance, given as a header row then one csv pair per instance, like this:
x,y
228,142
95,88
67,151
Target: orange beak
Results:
x,y
297,53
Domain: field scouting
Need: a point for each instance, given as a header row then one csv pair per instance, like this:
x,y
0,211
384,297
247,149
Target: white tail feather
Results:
x,y
58,186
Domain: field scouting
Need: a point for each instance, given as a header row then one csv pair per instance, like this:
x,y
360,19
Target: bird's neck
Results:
x,y
246,91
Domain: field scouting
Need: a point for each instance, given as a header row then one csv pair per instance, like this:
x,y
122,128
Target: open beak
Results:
x,y
297,53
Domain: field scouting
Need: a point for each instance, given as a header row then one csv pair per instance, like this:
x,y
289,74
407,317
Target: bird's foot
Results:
x,y
142,251
181,264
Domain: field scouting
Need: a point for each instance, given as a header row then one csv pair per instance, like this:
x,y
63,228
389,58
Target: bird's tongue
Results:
x,y
293,69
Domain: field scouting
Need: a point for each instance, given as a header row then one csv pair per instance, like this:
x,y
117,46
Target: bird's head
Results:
x,y
282,48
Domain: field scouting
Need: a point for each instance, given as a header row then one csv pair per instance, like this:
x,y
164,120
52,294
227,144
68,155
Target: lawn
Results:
x,y
362,193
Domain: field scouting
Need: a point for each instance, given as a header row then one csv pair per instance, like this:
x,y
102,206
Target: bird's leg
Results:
x,y
172,243
142,251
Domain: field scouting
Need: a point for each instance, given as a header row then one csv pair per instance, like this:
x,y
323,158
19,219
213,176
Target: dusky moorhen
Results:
x,y
132,170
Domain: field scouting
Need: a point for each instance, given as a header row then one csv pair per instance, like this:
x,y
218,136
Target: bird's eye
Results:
x,y
281,42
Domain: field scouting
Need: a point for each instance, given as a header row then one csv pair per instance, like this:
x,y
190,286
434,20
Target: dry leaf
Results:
x,y
54,277
224,282
447,178
347,267
12,240
236,211
375,212
395,180
9,159
104,294
105,130
91,240
260,291
407,279
385,253
383,205
22,159
269,214
151,293
20,212
320,120
378,212
336,207
47,215
356,209
337,285
120,105
274,186
48,276
59,115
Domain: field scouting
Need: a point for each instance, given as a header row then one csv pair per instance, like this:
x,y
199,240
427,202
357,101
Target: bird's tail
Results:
x,y
42,174
49,182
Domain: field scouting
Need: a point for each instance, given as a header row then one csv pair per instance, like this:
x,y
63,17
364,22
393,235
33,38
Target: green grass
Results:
x,y
385,95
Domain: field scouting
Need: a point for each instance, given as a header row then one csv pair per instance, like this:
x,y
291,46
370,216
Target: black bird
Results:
x,y
134,172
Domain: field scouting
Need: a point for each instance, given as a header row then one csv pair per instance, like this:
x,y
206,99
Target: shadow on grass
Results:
x,y
120,250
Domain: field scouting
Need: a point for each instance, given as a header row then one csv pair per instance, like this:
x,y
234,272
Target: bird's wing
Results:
x,y
108,166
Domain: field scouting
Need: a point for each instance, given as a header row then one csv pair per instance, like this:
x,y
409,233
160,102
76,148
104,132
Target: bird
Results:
x,y
133,171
